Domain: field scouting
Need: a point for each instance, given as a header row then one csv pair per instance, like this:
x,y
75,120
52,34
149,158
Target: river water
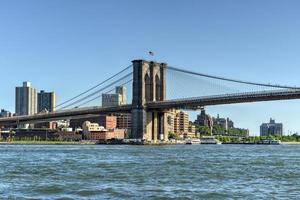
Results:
x,y
149,172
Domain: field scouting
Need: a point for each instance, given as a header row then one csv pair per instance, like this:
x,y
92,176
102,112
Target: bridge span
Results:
x,y
246,97
150,105
185,103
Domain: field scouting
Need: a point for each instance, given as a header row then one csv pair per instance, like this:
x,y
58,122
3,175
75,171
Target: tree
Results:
x,y
173,136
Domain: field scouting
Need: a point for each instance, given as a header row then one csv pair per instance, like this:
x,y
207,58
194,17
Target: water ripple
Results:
x,y
149,172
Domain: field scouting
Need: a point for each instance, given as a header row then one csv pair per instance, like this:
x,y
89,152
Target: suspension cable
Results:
x,y
86,102
100,90
230,80
92,88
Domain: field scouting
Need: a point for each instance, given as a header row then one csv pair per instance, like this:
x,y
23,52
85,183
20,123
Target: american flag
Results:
x,y
151,53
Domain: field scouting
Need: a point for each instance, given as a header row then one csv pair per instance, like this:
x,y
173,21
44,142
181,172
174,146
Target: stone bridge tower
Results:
x,y
149,84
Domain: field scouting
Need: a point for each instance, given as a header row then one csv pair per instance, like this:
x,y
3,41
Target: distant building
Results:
x,y
192,128
117,99
124,121
46,101
49,125
108,122
93,131
183,121
121,90
5,113
225,123
106,135
271,128
26,100
176,125
204,119
178,122
171,121
63,124
88,127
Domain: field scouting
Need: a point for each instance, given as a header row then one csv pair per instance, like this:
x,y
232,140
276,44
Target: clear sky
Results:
x,y
70,45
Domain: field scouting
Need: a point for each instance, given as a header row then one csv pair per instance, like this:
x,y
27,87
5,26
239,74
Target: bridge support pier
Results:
x,y
149,84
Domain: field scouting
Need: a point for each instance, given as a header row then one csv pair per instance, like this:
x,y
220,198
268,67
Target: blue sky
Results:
x,y
70,45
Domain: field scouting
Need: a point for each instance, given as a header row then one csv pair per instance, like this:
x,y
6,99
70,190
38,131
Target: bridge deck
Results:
x,y
160,105
226,99
65,114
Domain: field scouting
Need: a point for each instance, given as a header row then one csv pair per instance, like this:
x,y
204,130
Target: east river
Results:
x,y
149,172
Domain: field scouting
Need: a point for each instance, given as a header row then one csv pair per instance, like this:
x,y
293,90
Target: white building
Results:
x,y
88,127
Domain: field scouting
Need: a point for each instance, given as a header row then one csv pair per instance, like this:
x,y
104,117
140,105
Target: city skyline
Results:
x,y
46,101
262,47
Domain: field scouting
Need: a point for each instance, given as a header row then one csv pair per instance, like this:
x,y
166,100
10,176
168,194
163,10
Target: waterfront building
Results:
x,y
178,122
172,121
176,125
88,126
106,135
26,100
271,128
93,131
48,125
62,124
192,128
5,113
116,99
108,122
183,121
124,121
46,101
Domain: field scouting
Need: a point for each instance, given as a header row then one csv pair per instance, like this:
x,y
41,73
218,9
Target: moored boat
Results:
x,y
209,140
193,141
269,142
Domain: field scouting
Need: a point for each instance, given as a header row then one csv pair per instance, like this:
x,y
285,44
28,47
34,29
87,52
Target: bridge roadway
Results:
x,y
184,103
65,114
247,97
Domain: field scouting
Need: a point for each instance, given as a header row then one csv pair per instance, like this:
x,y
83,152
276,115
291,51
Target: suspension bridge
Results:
x,y
154,89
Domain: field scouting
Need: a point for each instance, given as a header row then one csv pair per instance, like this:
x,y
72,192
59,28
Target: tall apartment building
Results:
x,y
119,98
46,101
271,128
26,100
192,128
171,115
183,121
121,90
176,125
178,122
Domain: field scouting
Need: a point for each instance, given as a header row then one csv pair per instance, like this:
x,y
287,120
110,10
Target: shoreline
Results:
x,y
48,143
294,143
105,143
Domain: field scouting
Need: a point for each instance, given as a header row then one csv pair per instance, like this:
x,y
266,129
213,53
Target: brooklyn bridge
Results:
x,y
155,89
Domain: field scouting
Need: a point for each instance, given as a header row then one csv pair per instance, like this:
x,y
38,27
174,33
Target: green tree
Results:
x,y
173,136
